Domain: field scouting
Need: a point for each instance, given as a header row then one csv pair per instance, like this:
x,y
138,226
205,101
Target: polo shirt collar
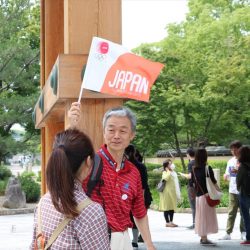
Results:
x,y
112,163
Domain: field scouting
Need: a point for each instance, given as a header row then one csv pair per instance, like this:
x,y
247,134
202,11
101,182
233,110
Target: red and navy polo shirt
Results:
x,y
120,192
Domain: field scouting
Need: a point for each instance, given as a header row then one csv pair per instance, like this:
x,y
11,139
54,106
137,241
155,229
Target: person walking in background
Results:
x,y
121,191
243,186
190,187
168,198
230,175
205,217
131,152
139,158
70,163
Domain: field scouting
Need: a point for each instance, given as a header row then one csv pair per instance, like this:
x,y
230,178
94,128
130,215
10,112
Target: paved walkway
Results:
x,y
16,233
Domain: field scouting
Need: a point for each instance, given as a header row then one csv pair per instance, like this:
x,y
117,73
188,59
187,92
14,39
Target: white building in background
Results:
x,y
23,160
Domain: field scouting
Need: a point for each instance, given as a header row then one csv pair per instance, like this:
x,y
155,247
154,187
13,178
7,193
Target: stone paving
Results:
x,y
16,229
16,233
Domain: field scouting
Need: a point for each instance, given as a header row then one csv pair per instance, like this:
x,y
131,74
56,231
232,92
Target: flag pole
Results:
x,y
80,95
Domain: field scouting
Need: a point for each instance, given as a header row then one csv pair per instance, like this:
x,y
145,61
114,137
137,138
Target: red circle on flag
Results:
x,y
104,47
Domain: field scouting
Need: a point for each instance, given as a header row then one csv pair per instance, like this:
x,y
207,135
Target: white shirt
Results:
x,y
232,164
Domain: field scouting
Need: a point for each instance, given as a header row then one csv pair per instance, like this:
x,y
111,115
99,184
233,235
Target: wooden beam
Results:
x,y
80,25
109,21
67,72
51,45
54,42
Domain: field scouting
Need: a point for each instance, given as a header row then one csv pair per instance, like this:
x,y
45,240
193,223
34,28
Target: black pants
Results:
x,y
169,215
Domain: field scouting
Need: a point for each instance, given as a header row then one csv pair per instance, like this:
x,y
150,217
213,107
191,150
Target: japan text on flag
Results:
x,y
113,69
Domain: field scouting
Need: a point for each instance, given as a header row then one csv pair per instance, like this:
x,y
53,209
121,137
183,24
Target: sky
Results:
x,y
144,21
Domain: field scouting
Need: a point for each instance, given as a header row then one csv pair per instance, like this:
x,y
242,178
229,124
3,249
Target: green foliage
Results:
x,y
184,203
39,177
3,184
30,186
225,199
5,172
155,196
152,166
153,178
19,72
202,93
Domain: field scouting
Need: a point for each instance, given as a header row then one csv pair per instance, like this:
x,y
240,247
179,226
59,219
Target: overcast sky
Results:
x,y
144,21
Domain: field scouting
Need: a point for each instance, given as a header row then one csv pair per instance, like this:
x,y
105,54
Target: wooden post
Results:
x,y
67,27
51,45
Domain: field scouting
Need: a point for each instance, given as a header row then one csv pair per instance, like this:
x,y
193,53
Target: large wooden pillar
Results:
x,y
51,44
67,28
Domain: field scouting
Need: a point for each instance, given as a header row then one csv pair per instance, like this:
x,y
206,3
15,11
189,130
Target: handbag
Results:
x,y
211,188
210,202
161,185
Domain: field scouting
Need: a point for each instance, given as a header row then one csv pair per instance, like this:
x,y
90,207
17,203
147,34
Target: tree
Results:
x,y
202,94
19,71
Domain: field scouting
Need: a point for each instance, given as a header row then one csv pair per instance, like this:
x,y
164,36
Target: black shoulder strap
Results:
x,y
95,175
197,183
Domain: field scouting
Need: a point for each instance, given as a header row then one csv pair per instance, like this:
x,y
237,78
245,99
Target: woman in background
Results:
x,y
168,198
205,217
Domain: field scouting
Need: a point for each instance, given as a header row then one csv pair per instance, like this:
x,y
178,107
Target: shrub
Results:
x,y
152,166
39,177
224,200
153,178
3,184
5,173
184,203
30,186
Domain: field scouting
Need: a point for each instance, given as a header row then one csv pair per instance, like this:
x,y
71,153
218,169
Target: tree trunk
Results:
x,y
178,149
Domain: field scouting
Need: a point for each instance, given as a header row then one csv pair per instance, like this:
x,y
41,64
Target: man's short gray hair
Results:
x,y
120,112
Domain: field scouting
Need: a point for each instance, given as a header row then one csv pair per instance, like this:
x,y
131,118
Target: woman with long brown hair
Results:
x,y
205,218
70,163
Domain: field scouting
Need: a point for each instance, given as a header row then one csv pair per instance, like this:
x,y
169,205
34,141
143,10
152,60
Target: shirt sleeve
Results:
x,y
190,166
239,178
211,174
227,169
166,175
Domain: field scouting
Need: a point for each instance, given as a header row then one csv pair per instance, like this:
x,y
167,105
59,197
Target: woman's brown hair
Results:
x,y
244,154
200,158
166,164
70,149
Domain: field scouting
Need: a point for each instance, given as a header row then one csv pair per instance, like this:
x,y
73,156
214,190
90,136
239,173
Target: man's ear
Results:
x,y
132,136
89,162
